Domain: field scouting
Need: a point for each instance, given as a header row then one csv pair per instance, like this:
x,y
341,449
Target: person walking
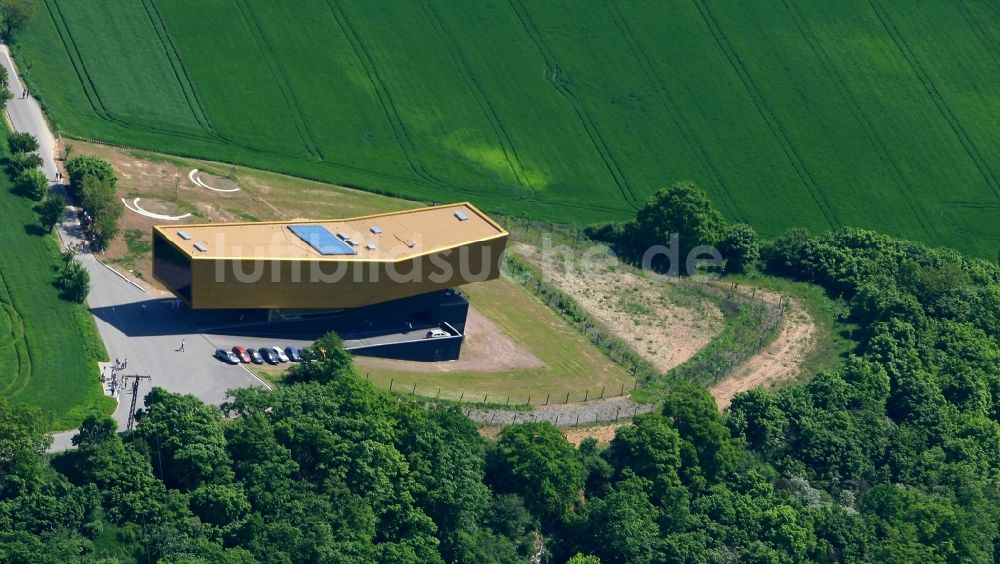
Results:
x,y
182,346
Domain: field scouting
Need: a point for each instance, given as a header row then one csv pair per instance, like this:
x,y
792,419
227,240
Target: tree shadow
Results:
x,y
35,229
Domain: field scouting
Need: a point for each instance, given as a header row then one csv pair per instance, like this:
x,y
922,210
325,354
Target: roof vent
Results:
x,y
201,247
370,246
343,235
461,215
376,229
351,242
184,235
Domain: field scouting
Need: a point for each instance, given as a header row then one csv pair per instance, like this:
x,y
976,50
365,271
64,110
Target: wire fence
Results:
x,y
508,401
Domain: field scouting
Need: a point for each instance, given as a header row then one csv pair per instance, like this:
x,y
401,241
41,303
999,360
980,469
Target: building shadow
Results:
x,y
163,317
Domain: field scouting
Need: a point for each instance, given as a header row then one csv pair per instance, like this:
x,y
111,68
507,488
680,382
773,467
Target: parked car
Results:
x,y
226,356
255,356
280,354
241,353
267,353
294,354
435,333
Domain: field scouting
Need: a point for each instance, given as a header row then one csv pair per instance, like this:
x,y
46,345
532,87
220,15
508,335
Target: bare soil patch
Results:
x,y
603,433
486,349
217,182
656,319
779,362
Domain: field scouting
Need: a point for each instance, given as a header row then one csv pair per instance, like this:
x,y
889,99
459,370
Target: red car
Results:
x,y
242,354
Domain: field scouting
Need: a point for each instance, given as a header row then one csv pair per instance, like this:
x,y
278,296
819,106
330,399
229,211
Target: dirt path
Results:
x,y
779,362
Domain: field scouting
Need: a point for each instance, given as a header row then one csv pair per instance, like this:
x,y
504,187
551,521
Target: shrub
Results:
x,y
50,211
740,247
74,281
22,142
31,183
99,199
20,162
85,165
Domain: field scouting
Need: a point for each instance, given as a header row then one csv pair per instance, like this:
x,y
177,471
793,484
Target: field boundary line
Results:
x,y
25,361
668,103
381,89
767,114
977,29
101,111
76,60
482,100
926,225
170,53
308,142
596,139
19,345
183,76
935,95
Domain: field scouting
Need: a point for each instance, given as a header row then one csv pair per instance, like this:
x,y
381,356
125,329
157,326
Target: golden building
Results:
x,y
331,264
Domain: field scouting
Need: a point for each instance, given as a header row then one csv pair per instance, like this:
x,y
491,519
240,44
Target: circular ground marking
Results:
x,y
134,206
195,177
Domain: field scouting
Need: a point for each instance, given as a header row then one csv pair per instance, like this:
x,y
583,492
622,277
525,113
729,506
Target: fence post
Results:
x,y
578,419
391,382
557,420
438,394
461,397
492,419
484,398
586,395
529,399
508,400
514,420
602,391
414,390
547,398
567,398
622,393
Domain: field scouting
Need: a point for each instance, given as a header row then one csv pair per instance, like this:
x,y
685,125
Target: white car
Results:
x,y
280,354
435,333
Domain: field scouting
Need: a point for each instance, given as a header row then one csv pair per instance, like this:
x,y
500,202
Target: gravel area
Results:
x,y
565,415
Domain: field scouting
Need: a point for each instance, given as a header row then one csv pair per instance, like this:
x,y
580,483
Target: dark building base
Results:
x,y
397,329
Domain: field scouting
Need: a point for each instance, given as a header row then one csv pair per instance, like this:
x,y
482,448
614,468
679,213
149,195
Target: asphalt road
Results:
x,y
133,324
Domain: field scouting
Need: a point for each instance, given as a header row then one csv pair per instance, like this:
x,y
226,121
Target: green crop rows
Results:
x,y
48,347
790,113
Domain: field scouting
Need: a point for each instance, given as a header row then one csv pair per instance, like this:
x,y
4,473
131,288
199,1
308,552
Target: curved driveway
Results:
x,y
133,324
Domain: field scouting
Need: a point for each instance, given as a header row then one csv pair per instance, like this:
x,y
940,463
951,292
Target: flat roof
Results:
x,y
382,237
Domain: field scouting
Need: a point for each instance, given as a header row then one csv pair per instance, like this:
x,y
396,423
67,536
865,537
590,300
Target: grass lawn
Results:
x,y
790,114
572,365
48,346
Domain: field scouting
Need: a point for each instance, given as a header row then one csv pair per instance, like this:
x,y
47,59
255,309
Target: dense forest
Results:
x,y
893,457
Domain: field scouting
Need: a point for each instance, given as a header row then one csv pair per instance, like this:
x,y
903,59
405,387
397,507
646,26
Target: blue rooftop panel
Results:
x,y
319,238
